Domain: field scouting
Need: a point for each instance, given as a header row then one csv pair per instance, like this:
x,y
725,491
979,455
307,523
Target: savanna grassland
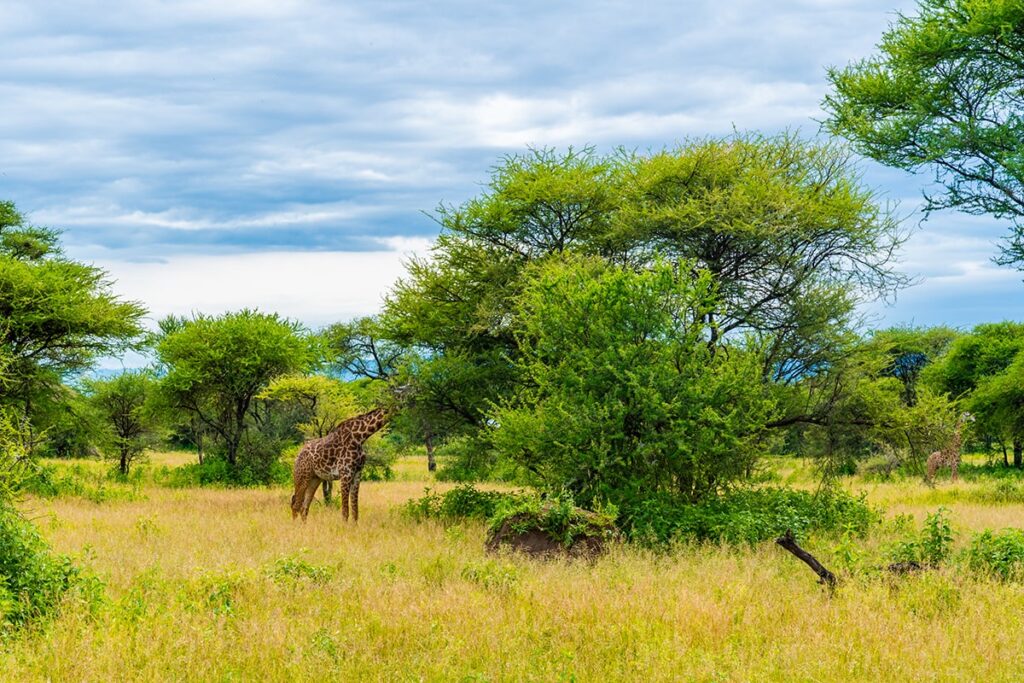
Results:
x,y
220,584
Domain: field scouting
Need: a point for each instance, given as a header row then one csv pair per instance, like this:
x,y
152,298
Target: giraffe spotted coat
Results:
x,y
339,456
950,455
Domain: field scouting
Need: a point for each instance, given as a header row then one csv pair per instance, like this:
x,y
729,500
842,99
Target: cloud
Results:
x,y
316,288
173,131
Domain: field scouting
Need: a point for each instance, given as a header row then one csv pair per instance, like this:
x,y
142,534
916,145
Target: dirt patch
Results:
x,y
519,533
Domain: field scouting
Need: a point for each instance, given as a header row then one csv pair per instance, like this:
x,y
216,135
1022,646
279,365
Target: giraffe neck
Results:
x,y
362,427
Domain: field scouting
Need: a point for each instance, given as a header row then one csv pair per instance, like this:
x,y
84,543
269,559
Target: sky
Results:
x,y
286,154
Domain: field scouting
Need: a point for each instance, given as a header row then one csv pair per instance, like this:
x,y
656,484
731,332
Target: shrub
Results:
x,y
292,569
747,516
998,553
53,481
623,396
32,579
557,517
461,503
931,548
1002,491
473,458
217,472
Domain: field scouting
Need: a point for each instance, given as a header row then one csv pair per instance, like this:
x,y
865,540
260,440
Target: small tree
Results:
x,y
624,399
124,406
325,402
216,366
943,93
57,316
975,371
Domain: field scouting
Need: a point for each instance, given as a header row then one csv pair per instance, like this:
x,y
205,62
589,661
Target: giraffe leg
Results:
x,y
345,490
933,464
954,469
355,498
297,497
328,485
307,498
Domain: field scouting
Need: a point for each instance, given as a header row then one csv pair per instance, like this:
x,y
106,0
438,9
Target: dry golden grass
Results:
x,y
212,585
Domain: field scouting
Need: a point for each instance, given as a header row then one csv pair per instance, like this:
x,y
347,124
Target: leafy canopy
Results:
x,y
943,93
790,238
623,396
216,366
125,408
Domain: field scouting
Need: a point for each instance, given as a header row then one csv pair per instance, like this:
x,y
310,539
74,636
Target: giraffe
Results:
x,y
339,455
950,455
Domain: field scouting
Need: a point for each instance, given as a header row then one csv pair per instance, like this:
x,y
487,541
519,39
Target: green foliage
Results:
x,y
468,458
747,516
53,481
325,402
57,316
126,409
789,236
932,547
998,553
292,569
360,348
32,579
460,503
909,351
556,516
216,366
986,369
624,396
943,93
215,471
492,575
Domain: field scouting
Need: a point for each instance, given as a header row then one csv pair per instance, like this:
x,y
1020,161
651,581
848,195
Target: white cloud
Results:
x,y
143,127
316,288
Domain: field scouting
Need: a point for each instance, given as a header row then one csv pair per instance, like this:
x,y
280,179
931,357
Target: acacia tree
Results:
x,y
943,93
57,316
124,406
216,366
789,236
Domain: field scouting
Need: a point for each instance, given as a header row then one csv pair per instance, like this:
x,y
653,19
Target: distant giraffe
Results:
x,y
339,455
950,455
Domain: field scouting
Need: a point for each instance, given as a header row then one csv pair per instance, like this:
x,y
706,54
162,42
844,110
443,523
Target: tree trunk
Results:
x,y
789,543
124,462
431,461
1017,453
1006,458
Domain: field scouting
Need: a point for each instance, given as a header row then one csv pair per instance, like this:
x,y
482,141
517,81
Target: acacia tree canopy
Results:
x,y
943,93
790,237
57,316
216,366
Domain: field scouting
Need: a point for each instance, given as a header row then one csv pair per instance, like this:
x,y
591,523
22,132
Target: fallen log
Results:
x,y
789,543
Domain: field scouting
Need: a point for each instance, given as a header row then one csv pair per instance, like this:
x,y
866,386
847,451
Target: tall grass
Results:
x,y
220,584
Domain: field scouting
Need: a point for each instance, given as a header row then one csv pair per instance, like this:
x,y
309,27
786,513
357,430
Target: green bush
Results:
x,y
746,516
461,503
32,578
931,548
63,481
623,396
215,471
998,553
558,517
473,458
